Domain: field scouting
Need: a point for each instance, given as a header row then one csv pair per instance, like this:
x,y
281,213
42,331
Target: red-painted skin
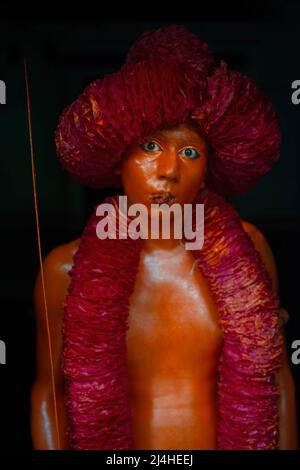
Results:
x,y
174,340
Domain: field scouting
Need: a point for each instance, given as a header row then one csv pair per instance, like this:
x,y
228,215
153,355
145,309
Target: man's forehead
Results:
x,y
182,131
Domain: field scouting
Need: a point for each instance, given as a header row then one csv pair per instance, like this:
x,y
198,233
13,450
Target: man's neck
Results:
x,y
162,244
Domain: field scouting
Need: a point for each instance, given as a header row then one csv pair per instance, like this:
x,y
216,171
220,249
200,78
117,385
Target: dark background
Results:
x,y
259,38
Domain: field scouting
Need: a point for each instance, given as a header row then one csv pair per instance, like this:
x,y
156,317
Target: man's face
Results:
x,y
165,167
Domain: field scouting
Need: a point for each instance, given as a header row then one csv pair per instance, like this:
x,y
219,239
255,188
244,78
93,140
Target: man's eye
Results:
x,y
189,152
150,146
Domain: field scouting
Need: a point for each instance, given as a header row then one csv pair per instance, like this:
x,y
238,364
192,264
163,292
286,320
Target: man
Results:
x,y
199,364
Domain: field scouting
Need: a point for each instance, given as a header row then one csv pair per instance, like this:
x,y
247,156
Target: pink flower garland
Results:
x,y
95,325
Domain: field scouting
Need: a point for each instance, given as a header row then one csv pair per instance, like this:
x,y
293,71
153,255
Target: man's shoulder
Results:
x,y
262,246
60,258
252,230
56,268
257,236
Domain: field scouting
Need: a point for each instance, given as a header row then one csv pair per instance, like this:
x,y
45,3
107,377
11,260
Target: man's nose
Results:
x,y
168,166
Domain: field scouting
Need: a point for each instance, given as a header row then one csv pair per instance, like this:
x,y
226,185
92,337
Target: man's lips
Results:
x,y
162,198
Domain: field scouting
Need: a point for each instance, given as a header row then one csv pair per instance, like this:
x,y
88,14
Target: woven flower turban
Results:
x,y
169,77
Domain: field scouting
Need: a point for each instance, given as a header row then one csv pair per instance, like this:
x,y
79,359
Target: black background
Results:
x,y
68,47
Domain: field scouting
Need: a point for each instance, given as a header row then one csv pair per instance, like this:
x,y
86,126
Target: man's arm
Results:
x,y
43,424
288,433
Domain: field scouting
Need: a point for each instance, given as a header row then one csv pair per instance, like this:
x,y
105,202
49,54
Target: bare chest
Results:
x,y
173,321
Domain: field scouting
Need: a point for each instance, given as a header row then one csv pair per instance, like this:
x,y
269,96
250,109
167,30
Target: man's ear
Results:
x,y
117,176
203,184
